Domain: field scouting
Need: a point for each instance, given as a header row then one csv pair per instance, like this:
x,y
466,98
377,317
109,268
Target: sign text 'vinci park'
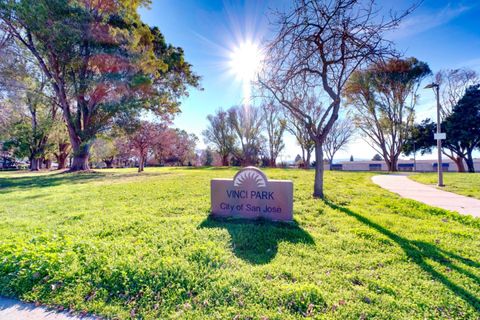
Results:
x,y
250,195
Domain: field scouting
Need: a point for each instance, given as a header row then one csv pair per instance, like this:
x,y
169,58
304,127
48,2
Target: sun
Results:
x,y
244,63
245,59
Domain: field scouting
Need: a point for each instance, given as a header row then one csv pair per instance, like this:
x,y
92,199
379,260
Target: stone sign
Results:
x,y
250,195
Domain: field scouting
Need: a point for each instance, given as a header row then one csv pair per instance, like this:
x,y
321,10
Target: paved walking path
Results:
x,y
432,196
15,310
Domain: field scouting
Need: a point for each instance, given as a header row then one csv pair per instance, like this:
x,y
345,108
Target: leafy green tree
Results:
x,y
60,143
208,157
29,137
104,150
420,138
35,113
103,63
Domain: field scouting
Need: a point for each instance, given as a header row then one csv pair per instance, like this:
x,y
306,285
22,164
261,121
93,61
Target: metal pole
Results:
x,y
414,158
439,141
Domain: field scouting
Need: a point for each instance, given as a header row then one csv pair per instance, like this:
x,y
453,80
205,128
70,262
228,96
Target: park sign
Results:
x,y
250,195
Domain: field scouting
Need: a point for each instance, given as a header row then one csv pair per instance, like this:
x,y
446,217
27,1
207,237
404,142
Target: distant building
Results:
x,y
403,165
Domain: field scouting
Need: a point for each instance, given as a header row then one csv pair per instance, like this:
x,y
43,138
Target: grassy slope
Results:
x,y
121,244
467,184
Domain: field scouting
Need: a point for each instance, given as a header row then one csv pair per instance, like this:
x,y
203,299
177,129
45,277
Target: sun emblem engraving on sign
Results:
x,y
250,175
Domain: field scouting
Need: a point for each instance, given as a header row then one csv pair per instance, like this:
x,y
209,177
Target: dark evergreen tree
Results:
x,y
463,126
420,138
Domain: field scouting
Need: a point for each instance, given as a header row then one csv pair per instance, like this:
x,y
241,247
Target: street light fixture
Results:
x,y
438,136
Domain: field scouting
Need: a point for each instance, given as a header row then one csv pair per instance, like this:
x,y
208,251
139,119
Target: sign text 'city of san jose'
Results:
x,y
250,195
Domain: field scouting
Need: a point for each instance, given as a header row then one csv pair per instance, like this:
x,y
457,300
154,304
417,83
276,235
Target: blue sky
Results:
x,y
445,34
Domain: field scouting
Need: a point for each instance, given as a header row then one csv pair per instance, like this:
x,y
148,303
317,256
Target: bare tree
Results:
x,y
453,84
220,135
340,135
307,145
384,98
301,133
247,124
319,44
275,126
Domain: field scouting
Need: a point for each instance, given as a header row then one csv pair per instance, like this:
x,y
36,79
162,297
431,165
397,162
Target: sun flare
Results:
x,y
244,64
245,60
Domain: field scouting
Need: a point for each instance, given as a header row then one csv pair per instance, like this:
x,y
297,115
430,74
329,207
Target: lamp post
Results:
x,y
438,137
414,157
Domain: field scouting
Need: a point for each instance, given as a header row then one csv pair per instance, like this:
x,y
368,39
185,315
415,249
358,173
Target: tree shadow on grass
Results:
x,y
41,181
12,184
257,241
419,252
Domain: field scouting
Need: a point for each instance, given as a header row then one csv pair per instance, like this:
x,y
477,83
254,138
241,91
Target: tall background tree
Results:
x,y
247,125
275,127
453,85
318,45
32,110
384,97
220,136
103,63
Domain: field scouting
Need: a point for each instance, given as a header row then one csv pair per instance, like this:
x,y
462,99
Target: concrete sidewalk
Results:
x,y
15,310
403,186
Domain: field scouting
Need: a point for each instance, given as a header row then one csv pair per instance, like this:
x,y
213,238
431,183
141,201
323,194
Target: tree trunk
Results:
x,y
469,161
141,163
318,185
108,163
34,164
62,161
48,164
273,163
81,149
459,162
307,160
392,164
80,158
62,155
225,160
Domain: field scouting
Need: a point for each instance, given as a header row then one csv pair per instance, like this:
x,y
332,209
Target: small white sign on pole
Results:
x,y
440,136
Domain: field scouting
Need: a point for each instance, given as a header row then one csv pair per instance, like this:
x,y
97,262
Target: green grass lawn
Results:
x,y
128,245
467,184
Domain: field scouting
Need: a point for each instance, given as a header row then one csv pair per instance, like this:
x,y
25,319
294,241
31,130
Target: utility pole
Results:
x,y
438,136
